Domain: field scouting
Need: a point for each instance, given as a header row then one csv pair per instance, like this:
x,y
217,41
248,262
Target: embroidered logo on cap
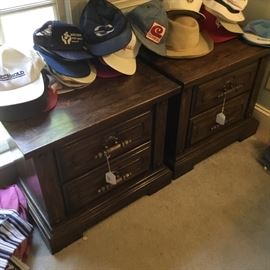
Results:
x,y
156,32
12,76
69,38
103,30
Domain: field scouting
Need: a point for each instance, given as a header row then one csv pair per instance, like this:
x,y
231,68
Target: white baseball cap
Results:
x,y
20,76
124,60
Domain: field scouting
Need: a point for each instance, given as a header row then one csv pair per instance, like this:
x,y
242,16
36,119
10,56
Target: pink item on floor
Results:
x,y
12,198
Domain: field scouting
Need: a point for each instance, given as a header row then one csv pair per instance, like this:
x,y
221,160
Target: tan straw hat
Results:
x,y
185,40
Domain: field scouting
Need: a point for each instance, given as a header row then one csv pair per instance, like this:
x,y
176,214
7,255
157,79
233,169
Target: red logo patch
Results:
x,y
156,32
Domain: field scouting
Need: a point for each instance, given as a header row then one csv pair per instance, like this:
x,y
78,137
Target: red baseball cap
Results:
x,y
214,28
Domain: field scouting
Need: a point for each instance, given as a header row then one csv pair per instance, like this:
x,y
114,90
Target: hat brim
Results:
x,y
159,49
73,55
205,46
176,12
256,39
231,27
78,69
124,65
81,80
111,45
23,94
222,12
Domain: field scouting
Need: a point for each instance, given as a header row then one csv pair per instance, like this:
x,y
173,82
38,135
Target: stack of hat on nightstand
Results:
x,y
63,49
222,18
109,38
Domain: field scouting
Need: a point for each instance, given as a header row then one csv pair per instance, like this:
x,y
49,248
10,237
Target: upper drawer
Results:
x,y
77,158
211,93
205,124
92,185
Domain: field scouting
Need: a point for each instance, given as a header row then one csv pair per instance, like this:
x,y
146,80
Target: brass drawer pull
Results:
x,y
213,128
229,91
113,148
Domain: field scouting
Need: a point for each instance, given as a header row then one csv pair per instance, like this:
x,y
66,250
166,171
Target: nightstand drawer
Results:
x,y
212,93
81,191
79,157
205,125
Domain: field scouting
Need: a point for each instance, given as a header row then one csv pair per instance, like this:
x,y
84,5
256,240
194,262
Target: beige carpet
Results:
x,y
216,217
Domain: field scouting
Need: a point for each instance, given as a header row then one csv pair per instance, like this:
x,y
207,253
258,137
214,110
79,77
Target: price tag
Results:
x,y
221,118
110,176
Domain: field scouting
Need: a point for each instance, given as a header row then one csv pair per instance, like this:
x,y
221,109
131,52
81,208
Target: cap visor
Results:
x,y
23,94
78,69
231,27
124,65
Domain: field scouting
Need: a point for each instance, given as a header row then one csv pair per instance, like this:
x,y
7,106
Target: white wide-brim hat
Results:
x,y
223,11
184,7
231,27
185,40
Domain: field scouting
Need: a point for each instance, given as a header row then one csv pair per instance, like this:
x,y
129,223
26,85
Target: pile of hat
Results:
x,y
109,38
257,32
63,49
222,18
171,28
24,90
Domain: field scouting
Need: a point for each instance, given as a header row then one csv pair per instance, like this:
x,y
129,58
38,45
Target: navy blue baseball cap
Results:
x,y
105,27
68,68
62,39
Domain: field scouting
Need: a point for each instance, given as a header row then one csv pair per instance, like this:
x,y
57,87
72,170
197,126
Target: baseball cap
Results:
x,y
104,27
150,25
20,75
215,29
62,39
124,60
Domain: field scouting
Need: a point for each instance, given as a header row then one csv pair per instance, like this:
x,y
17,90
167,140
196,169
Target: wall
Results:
x,y
260,9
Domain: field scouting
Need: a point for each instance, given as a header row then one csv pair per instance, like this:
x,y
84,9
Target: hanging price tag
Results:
x,y
110,176
221,117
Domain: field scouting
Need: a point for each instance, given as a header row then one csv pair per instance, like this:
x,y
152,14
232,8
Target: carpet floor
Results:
x,y
215,217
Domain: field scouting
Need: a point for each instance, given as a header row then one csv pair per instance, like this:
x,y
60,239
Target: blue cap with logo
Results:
x,y
61,40
150,24
105,27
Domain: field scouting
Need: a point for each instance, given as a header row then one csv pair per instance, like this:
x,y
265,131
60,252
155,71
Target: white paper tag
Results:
x,y
221,118
110,178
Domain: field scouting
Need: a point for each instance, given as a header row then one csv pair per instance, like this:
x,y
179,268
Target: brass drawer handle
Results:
x,y
229,91
109,150
123,177
213,128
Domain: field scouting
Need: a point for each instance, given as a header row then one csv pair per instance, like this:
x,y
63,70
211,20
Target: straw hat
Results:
x,y
185,40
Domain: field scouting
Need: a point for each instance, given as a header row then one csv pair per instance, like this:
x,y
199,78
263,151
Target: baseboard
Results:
x,y
262,114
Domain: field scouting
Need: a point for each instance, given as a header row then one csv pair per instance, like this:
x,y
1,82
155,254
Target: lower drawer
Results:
x,y
83,190
204,124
